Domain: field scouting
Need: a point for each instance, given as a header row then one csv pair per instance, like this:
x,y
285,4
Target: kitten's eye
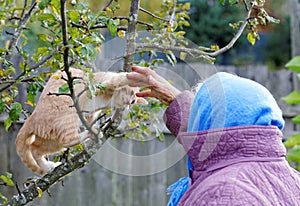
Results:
x,y
132,101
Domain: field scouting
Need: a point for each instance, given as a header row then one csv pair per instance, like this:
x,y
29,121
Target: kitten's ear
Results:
x,y
140,100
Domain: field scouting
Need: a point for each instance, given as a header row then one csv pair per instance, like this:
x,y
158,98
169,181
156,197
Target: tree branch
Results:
x,y
51,178
151,14
131,34
40,63
10,83
19,30
138,21
197,51
97,26
23,10
68,72
107,5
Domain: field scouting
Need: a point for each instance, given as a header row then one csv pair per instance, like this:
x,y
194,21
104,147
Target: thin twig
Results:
x,y
53,32
151,14
173,15
59,94
12,82
97,26
138,21
23,10
40,63
197,51
68,72
20,28
107,5
18,189
246,5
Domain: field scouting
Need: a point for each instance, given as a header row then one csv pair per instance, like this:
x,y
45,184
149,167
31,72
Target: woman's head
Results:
x,y
226,100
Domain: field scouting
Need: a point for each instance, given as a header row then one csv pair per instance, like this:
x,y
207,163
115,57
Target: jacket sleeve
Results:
x,y
177,114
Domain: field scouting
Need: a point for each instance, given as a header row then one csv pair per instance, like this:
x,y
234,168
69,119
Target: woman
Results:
x,y
231,131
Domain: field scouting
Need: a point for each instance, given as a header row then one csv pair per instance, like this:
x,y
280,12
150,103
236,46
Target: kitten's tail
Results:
x,y
23,144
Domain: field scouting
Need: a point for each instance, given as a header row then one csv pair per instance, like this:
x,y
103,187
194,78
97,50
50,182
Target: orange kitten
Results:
x,y
54,123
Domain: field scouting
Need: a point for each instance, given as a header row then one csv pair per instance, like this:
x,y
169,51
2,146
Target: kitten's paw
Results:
x,y
54,164
49,165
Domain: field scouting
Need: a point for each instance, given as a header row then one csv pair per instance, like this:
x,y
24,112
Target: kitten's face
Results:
x,y
125,96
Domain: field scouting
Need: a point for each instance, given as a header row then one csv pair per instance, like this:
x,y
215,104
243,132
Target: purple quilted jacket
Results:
x,y
241,165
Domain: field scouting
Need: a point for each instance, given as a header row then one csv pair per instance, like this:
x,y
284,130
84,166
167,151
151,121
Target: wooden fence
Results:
x,y
95,185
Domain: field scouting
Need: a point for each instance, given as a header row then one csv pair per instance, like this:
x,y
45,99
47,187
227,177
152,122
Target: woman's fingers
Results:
x,y
137,80
143,77
146,93
139,84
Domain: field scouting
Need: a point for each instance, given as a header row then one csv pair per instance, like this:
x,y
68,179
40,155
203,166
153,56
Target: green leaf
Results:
x,y
92,92
294,64
8,63
160,135
7,180
251,38
2,106
232,2
44,38
3,50
74,16
293,97
42,5
32,89
272,19
292,141
222,2
171,58
47,17
9,175
15,111
112,27
294,154
100,86
5,200
296,120
64,88
7,123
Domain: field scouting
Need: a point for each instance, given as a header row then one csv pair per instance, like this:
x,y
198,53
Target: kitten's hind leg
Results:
x,y
44,165
70,140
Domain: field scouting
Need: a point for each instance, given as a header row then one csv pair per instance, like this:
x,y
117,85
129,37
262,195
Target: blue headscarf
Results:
x,y
226,100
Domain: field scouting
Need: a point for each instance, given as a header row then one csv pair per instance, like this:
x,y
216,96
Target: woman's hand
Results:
x,y
159,88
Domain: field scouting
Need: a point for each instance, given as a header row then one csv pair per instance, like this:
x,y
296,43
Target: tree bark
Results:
x,y
131,34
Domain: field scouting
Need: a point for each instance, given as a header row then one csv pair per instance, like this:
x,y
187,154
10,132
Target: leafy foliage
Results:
x,y
215,18
216,23
46,36
6,180
293,98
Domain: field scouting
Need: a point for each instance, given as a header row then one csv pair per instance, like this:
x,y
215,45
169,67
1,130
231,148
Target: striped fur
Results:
x,y
54,123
